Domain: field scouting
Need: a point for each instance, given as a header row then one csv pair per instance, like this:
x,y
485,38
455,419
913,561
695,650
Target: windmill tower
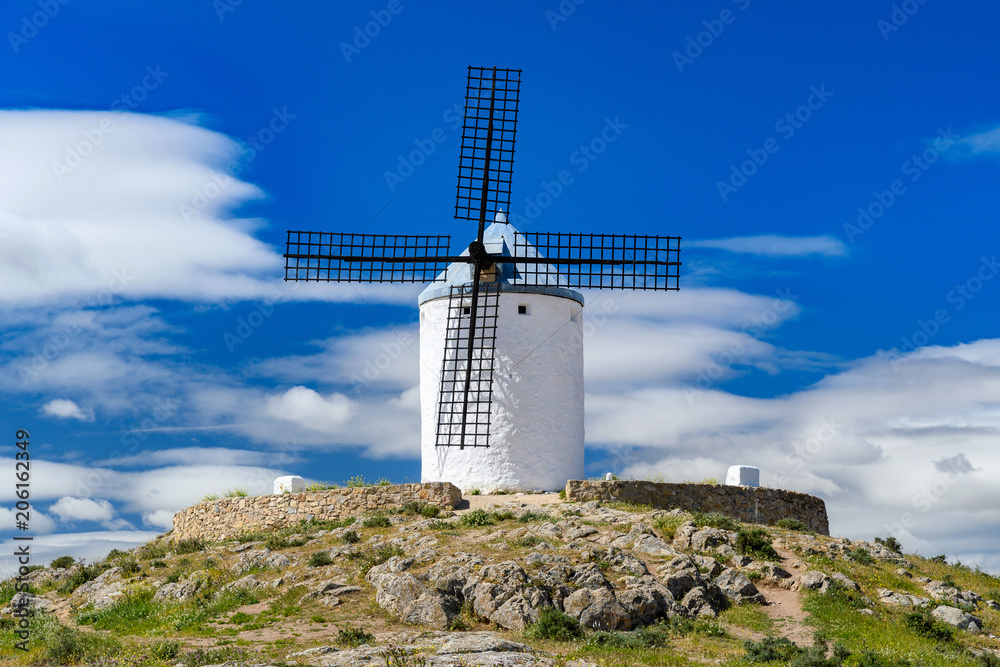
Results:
x,y
502,320
527,405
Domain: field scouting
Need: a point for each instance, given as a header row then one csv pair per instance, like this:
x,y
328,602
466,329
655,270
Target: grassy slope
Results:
x,y
214,626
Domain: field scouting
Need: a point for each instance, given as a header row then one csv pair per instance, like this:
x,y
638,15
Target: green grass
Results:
x,y
87,572
480,518
837,615
748,616
715,520
190,545
667,526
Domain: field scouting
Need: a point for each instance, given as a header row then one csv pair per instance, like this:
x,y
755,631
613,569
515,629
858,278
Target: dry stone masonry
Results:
x,y
750,504
229,517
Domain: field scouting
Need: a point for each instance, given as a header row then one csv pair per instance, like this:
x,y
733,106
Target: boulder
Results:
x,y
815,581
710,539
846,582
958,618
646,603
887,596
589,575
35,603
704,602
737,587
598,609
404,595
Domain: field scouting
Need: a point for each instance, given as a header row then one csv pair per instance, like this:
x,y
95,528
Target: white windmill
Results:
x,y
503,320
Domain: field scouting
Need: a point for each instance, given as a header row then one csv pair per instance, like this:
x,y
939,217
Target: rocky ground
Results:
x,y
462,589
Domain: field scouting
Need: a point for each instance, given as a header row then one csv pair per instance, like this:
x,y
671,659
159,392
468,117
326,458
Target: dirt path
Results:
x,y
477,502
785,606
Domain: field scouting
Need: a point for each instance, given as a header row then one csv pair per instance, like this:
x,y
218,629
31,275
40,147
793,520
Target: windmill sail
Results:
x,y
467,368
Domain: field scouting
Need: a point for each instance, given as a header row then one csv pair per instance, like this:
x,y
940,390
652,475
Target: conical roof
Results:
x,y
499,240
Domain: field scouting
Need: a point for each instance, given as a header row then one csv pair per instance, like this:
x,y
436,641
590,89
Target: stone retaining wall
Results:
x,y
751,504
228,517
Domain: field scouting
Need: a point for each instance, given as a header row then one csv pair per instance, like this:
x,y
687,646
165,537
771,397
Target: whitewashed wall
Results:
x,y
537,412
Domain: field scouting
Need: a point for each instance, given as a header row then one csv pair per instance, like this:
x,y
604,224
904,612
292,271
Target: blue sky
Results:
x,y
831,168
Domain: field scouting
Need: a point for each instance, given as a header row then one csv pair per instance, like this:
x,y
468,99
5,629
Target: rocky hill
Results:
x,y
524,581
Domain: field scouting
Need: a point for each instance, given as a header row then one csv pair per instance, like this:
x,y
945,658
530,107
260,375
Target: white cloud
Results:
x,y
92,546
66,409
775,245
39,522
69,508
892,445
143,215
983,143
159,519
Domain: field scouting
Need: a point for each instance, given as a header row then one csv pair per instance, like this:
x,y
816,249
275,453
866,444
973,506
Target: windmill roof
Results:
x,y
499,239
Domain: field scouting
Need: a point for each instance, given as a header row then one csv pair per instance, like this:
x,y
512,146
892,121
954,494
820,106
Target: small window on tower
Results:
x,y
522,309
466,310
574,314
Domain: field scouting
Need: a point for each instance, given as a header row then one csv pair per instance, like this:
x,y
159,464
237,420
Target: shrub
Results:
x,y
356,482
994,594
562,494
949,580
158,563
890,543
555,625
321,486
81,576
789,523
352,637
372,556
165,650
216,656
350,537
715,520
383,481
668,525
861,556
238,492
319,559
475,492
532,517
129,565
190,545
63,561
925,625
756,542
770,649
988,660
477,518
275,542
376,522
209,497
940,559
413,508
710,480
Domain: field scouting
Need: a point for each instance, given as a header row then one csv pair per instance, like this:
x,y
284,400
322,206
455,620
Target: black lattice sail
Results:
x,y
466,394
485,178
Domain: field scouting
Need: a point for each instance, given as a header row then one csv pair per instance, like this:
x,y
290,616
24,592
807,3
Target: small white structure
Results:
x,y
290,484
743,476
536,416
